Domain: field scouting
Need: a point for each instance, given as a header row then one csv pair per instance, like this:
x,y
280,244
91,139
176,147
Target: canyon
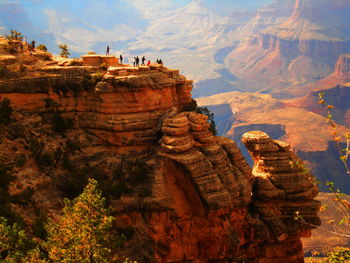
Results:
x,y
293,120
187,195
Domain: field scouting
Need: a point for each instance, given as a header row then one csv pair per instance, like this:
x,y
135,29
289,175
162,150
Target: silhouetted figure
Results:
x,y
143,59
121,59
137,61
107,51
160,61
134,62
33,44
148,63
157,61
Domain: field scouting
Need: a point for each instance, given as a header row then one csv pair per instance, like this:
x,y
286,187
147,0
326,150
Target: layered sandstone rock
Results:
x,y
214,164
284,187
192,197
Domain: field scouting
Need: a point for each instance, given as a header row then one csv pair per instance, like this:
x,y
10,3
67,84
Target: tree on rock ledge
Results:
x,y
64,50
82,233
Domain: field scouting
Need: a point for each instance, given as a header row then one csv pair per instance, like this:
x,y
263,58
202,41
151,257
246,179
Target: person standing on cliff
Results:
x,y
148,63
137,61
143,60
134,63
121,59
107,51
33,45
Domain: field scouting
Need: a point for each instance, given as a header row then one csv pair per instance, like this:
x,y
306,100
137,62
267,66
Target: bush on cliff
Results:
x,y
42,47
5,179
14,36
210,115
14,41
192,106
5,111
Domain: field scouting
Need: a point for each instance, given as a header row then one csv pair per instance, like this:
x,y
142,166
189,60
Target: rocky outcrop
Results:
x,y
215,165
342,67
223,186
121,109
284,188
189,196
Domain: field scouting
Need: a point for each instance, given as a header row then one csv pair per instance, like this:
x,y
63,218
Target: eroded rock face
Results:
x,y
200,201
342,67
213,192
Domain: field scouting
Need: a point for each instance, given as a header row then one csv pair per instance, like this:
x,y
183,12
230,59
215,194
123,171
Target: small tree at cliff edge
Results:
x,y
64,50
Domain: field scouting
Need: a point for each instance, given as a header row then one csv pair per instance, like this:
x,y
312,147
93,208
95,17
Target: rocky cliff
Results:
x,y
297,51
180,193
342,66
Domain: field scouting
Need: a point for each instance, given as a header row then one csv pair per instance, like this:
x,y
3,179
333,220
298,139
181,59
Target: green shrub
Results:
x,y
50,104
192,106
207,112
341,255
42,47
5,179
128,232
13,41
103,66
14,36
46,57
14,243
95,78
5,111
60,124
76,62
82,233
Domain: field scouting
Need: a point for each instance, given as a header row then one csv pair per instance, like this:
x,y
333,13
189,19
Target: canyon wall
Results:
x,y
194,197
299,50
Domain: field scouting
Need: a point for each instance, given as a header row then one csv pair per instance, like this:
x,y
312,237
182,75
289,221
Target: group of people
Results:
x,y
136,62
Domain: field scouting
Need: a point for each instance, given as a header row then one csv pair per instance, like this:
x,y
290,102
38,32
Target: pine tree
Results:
x,y
64,50
81,234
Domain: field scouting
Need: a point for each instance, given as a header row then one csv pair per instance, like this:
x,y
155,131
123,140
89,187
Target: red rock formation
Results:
x,y
201,202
